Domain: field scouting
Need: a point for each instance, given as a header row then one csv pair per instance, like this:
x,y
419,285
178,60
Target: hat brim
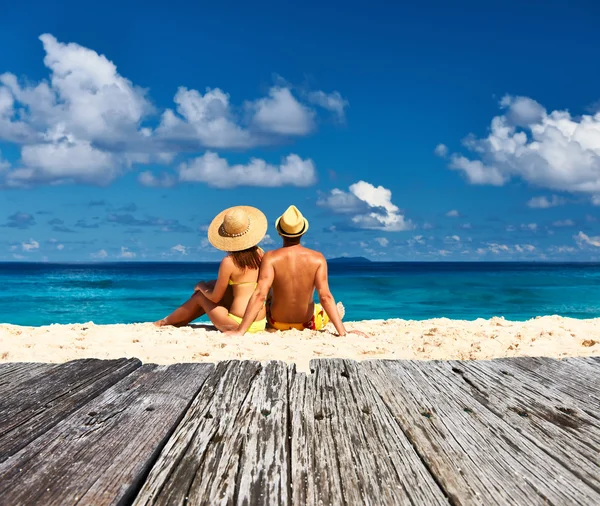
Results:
x,y
291,236
255,233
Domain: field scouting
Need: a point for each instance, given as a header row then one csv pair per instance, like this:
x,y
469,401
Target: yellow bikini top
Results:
x,y
231,283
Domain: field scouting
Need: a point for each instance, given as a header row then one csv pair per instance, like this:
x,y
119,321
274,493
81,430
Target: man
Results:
x,y
293,272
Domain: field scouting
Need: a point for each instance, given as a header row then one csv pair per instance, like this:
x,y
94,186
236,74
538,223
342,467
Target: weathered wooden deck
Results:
x,y
513,431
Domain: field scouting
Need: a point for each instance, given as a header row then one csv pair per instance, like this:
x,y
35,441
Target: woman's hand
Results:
x,y
204,285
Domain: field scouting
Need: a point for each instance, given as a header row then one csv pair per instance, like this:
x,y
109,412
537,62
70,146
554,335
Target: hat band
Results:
x,y
301,231
239,234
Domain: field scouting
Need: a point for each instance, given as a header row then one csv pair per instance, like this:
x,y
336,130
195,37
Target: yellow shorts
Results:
x,y
318,321
257,326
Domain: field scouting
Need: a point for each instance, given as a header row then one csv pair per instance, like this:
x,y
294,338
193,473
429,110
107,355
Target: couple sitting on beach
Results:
x,y
254,287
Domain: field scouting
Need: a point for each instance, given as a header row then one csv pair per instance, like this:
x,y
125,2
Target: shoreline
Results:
x,y
434,339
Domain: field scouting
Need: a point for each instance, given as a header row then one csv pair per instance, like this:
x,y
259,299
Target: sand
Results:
x,y
440,338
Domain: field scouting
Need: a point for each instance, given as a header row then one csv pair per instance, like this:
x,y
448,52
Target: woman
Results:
x,y
237,230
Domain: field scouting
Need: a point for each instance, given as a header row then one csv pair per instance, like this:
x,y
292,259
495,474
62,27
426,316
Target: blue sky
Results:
x,y
415,132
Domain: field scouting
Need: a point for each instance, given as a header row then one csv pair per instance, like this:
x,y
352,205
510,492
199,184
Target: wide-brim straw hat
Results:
x,y
237,228
291,223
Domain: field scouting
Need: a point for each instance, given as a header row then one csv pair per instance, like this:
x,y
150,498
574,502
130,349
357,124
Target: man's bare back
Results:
x,y
294,275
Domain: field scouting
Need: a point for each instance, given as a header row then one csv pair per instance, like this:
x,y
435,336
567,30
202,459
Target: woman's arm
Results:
x,y
218,291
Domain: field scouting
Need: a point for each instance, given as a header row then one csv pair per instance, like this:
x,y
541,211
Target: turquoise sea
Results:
x,y
40,294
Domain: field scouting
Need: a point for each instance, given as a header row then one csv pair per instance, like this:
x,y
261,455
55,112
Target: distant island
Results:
x,y
349,260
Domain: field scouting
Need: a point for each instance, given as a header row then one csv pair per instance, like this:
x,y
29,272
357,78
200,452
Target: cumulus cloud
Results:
x,y
552,150
4,164
215,171
333,102
89,124
584,239
453,214
525,248
179,248
99,254
342,202
545,202
441,150
267,240
163,180
371,206
281,113
383,242
125,253
32,245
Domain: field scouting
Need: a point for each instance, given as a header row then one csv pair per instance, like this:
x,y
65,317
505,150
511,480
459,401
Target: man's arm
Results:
x,y
326,299
258,298
328,302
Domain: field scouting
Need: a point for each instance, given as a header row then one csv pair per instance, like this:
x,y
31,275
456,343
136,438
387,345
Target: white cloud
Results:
x,y
281,113
497,248
522,248
444,252
563,223
125,253
453,214
179,248
385,215
163,180
333,102
60,247
32,245
427,226
551,150
382,241
87,123
465,226
454,238
267,240
4,165
371,207
342,202
215,171
529,226
583,239
99,254
417,239
562,249
545,202
441,150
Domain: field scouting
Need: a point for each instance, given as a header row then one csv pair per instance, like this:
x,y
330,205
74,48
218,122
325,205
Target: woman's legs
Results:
x,y
194,308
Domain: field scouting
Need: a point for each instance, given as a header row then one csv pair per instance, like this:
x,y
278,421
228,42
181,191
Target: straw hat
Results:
x,y
291,223
237,228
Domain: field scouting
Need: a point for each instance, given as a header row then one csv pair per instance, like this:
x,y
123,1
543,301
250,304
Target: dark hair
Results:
x,y
248,258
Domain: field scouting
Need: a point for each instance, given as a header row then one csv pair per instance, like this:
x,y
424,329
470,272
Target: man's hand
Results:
x,y
233,333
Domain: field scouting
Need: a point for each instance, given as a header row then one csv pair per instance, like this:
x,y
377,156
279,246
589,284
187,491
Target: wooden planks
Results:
x,y
101,453
476,456
508,431
34,406
551,420
231,446
12,374
346,446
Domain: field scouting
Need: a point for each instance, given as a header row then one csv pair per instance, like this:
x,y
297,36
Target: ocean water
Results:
x,y
41,294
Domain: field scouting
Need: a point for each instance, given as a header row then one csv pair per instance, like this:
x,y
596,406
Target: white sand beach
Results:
x,y
440,338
